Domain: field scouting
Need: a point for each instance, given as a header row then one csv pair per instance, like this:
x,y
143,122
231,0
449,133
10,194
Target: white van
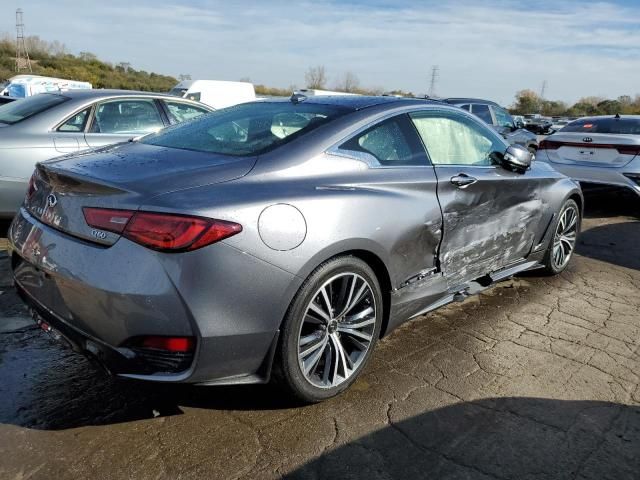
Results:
x,y
215,93
22,86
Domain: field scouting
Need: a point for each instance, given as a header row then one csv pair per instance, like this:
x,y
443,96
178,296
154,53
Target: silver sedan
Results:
x,y
49,125
280,239
602,150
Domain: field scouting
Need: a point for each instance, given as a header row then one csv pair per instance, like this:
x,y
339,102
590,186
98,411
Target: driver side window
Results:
x,y
456,140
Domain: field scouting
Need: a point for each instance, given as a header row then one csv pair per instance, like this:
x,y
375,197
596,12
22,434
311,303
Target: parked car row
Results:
x,y
48,125
277,239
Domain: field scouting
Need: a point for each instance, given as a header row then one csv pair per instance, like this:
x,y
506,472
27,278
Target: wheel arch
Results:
x,y
369,252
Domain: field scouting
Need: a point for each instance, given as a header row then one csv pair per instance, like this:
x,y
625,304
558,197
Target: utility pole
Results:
x,y
543,89
22,55
435,73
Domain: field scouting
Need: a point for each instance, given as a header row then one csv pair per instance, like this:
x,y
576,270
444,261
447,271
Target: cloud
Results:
x,y
490,50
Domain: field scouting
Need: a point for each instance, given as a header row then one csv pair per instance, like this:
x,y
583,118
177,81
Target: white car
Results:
x,y
215,93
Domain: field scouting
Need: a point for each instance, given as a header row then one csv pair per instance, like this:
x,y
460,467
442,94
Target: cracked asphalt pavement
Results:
x,y
536,378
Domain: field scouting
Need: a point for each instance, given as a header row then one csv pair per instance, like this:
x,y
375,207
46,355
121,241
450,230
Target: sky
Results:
x,y
488,49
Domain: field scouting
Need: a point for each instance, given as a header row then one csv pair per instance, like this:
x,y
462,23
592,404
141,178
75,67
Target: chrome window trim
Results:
x,y
372,162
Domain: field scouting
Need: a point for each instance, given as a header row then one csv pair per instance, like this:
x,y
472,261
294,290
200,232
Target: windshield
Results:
x,y
20,110
605,125
247,129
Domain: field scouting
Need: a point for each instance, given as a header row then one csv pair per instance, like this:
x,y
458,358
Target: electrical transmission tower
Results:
x,y
22,55
543,89
435,73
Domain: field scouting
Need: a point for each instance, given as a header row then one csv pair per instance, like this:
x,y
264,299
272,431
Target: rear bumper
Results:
x,y
113,360
98,298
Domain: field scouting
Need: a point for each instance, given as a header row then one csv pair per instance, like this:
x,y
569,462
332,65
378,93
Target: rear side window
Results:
x,y
389,142
247,129
20,110
483,112
75,123
623,125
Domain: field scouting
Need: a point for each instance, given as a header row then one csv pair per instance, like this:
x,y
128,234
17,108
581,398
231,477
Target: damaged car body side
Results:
x,y
360,213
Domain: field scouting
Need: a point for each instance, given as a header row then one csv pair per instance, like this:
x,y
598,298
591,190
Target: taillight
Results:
x,y
548,145
170,344
162,231
622,149
628,149
107,219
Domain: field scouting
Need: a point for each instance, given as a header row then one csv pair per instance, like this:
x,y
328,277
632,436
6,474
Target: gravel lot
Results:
x,y
536,378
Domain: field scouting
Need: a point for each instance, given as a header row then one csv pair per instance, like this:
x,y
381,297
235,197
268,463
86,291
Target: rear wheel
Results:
x,y
330,330
564,239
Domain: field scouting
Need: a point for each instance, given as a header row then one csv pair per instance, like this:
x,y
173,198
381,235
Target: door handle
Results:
x,y
463,180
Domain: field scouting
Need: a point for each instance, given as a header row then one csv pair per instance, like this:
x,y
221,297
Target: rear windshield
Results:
x,y
247,129
19,110
605,125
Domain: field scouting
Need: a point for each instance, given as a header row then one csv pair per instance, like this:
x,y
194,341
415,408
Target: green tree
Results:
x,y
527,101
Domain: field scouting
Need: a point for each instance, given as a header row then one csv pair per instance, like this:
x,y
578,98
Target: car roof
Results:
x,y
357,102
103,93
462,100
603,117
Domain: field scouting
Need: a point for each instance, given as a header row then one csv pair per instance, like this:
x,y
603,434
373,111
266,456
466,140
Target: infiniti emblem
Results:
x,y
587,139
51,200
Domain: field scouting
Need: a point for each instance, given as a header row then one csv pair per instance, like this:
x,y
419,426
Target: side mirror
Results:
x,y
517,158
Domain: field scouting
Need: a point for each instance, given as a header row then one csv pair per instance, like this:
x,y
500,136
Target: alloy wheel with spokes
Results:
x,y
565,235
564,240
337,330
330,329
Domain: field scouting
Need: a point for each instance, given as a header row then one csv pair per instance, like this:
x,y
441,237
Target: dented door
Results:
x,y
490,215
489,223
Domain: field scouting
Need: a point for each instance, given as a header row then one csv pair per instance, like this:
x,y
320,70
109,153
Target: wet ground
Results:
x,y
536,378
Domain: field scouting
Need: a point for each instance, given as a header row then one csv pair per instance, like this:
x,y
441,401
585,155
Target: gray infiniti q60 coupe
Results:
x,y
281,239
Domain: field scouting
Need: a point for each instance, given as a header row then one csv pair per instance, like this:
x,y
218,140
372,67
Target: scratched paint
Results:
x,y
488,242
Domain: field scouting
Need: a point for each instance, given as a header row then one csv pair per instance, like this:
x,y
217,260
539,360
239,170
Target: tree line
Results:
x,y
528,101
52,59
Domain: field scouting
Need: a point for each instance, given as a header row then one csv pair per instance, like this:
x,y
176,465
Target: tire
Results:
x,y
550,262
317,328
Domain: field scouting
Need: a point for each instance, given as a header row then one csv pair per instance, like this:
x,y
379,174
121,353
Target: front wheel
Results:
x,y
564,239
330,330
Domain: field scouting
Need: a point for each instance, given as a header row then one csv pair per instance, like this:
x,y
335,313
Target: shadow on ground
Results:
x,y
48,387
515,438
615,243
605,202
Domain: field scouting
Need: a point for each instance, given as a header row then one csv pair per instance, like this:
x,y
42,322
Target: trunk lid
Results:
x,y
591,149
120,177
